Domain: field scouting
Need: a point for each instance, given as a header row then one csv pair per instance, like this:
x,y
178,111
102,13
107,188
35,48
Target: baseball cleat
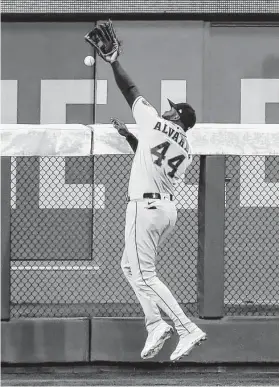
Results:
x,y
187,342
156,340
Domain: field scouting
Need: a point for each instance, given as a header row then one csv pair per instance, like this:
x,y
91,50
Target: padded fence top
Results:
x,y
142,6
81,140
206,139
43,140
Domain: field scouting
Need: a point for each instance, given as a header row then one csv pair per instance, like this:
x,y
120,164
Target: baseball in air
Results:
x,y
89,60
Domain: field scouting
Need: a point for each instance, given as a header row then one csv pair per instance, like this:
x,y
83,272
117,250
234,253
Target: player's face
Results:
x,y
171,115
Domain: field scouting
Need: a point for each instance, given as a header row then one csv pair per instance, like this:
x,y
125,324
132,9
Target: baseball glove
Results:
x,y
104,40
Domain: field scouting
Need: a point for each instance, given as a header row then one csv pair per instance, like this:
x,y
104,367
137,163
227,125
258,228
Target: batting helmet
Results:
x,y
186,112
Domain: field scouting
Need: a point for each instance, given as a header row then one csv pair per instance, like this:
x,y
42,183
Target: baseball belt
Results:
x,y
155,195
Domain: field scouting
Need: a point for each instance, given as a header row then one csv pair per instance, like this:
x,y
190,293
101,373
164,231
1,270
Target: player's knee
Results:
x,y
139,283
145,281
151,280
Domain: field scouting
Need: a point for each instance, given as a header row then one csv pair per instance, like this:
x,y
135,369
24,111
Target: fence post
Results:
x,y
5,236
211,220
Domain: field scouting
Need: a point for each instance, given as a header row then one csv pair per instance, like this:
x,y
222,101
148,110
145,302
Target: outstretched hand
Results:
x,y
120,127
104,40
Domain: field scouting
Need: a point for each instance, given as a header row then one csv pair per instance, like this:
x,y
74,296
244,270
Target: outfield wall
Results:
x,y
87,337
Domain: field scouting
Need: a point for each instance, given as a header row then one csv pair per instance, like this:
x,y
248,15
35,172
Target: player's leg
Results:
x,y
151,227
151,311
158,330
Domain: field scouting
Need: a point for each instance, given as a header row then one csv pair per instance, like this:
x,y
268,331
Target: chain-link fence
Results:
x,y
68,236
252,235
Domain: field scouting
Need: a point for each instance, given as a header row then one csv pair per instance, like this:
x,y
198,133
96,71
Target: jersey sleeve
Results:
x,y
144,114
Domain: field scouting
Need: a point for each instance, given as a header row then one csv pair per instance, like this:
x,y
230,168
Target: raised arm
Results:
x,y
125,83
103,38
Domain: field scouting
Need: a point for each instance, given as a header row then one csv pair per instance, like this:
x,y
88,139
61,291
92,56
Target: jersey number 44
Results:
x,y
160,152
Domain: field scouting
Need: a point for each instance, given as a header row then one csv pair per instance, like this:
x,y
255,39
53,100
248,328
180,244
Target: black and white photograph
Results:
x,y
139,193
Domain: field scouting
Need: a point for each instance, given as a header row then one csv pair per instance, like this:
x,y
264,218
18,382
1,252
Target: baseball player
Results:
x,y
162,155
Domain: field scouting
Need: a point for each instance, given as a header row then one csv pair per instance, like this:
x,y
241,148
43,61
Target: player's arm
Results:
x,y
144,113
123,131
104,40
133,141
125,83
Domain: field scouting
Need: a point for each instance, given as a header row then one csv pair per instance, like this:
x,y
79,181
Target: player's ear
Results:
x,y
174,115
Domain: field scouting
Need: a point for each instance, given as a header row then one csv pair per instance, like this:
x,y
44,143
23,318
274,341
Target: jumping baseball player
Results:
x,y
162,155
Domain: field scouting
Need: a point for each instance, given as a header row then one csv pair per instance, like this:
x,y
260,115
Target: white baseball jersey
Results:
x,y
163,153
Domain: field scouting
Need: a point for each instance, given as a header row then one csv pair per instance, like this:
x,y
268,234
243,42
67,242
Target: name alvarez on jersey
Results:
x,y
178,137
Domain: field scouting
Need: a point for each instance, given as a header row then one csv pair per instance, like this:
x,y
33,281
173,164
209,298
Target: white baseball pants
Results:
x,y
148,222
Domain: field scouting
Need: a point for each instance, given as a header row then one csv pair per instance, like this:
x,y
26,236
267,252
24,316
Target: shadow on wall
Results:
x,y
270,70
